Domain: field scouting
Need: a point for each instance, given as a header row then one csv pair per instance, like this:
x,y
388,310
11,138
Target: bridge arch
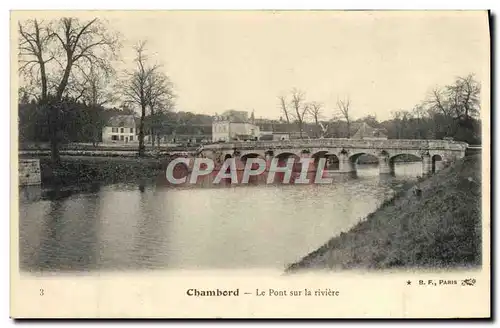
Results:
x,y
252,153
332,159
390,161
405,157
436,162
286,154
319,154
369,157
246,156
283,159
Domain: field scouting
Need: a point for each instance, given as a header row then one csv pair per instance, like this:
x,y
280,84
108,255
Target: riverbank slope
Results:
x,y
441,228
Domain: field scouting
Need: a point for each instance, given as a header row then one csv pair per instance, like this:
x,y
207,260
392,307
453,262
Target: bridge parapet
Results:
x,y
345,143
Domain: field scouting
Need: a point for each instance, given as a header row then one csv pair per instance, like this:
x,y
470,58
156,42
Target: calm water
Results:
x,y
127,227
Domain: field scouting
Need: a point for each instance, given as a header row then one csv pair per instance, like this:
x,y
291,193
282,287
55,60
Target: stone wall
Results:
x,y
29,172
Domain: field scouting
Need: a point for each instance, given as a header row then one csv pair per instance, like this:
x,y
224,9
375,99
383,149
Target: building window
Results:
x,y
114,129
121,130
121,137
131,138
114,137
131,130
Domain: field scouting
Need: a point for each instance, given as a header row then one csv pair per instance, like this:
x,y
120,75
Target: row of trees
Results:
x,y
298,110
79,124
78,121
448,111
67,74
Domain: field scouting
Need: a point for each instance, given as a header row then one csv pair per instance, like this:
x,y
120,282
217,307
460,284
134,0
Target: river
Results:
x,y
127,227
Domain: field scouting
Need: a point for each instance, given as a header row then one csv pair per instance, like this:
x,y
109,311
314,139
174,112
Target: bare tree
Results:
x,y
458,103
33,55
135,88
316,111
148,87
463,97
300,108
284,108
94,93
344,107
50,51
160,97
438,101
419,114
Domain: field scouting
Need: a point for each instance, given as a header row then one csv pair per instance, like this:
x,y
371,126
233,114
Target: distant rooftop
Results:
x,y
234,116
118,121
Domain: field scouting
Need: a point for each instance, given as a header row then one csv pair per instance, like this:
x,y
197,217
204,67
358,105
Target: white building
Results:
x,y
234,125
120,129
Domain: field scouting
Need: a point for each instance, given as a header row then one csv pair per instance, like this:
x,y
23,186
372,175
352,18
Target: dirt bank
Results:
x,y
441,228
75,170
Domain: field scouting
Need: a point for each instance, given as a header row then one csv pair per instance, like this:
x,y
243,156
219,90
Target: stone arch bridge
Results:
x,y
346,151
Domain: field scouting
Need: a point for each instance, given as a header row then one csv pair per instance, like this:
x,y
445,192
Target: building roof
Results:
x,y
234,116
367,131
126,121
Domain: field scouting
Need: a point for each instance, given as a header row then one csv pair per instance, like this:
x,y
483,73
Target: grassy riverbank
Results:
x,y
441,228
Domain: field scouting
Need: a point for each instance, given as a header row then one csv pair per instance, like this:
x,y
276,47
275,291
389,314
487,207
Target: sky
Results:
x,y
381,61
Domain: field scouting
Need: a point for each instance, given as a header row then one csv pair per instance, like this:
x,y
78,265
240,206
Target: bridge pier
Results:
x,y
345,164
426,164
385,165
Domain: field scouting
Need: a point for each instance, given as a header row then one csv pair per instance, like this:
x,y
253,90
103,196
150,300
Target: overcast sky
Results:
x,y
383,61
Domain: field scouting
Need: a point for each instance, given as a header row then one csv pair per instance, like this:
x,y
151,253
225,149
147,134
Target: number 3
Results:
x,y
41,292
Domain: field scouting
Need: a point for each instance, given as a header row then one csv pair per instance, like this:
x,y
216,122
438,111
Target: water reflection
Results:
x,y
77,236
158,226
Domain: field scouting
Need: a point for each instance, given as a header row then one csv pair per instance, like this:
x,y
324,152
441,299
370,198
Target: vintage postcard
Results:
x,y
250,164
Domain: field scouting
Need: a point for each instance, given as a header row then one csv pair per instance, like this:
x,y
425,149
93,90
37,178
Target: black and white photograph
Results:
x,y
286,142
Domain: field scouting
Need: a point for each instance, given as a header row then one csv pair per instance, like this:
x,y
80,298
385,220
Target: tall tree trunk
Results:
x,y
53,114
95,136
152,130
54,109
141,132
54,149
318,133
95,126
